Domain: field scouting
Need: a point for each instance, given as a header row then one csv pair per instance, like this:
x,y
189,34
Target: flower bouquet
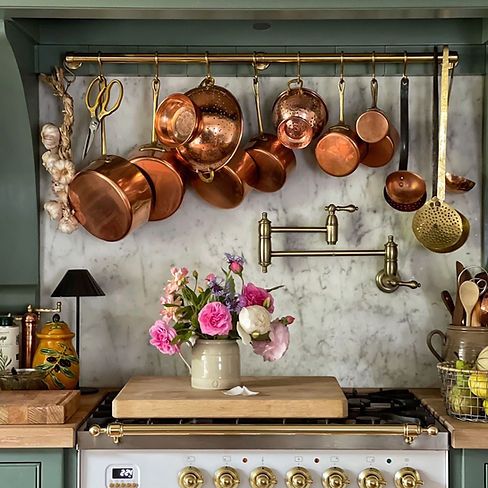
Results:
x,y
221,308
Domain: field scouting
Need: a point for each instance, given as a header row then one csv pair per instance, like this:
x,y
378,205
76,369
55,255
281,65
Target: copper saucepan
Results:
x,y
230,184
273,160
112,197
299,114
340,150
162,169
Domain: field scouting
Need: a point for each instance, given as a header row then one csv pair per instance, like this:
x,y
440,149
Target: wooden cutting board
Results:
x,y
279,397
37,406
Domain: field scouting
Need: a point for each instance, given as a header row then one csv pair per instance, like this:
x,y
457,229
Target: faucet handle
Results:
x,y
332,208
410,284
389,284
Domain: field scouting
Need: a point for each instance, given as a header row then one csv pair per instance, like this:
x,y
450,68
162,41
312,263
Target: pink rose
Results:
x,y
161,336
253,295
235,267
215,319
275,348
210,277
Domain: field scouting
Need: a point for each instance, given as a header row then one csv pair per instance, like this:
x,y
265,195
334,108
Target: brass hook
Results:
x,y
405,60
99,59
373,62
255,65
342,67
207,63
299,76
156,62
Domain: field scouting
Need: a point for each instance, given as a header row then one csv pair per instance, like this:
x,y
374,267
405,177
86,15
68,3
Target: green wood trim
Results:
x,y
468,468
19,245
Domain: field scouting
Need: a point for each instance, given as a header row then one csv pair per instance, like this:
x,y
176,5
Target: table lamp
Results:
x,y
78,283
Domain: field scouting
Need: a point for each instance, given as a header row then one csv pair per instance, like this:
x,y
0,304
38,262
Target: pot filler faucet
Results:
x,y
387,279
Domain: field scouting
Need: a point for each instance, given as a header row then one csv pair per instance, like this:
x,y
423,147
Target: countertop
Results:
x,y
464,435
50,436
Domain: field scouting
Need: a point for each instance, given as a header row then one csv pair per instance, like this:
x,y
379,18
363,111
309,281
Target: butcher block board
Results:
x,y
22,407
279,397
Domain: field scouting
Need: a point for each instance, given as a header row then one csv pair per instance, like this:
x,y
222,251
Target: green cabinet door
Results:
x,y
37,468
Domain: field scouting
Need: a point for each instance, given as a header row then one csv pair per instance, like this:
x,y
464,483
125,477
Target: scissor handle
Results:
x,y
102,85
105,99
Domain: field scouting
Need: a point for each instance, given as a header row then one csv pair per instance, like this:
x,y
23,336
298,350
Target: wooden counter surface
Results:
x,y
45,436
464,435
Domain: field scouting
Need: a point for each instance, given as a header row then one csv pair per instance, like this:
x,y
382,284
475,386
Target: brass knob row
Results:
x,y
298,477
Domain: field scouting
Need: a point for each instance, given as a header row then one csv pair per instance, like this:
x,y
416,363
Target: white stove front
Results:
x,y
143,468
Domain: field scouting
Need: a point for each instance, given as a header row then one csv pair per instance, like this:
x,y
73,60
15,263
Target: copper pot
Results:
x,y
299,115
112,197
273,160
162,169
381,153
340,150
205,132
230,184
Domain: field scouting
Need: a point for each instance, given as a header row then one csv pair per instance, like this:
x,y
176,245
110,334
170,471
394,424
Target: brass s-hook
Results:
x,y
342,68
373,63
405,61
299,68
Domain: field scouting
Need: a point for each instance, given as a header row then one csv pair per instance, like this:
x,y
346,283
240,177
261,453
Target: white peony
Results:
x,y
253,319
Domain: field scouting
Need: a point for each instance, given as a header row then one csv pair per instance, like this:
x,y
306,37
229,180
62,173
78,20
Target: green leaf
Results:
x,y
189,295
51,352
67,372
45,367
73,359
57,382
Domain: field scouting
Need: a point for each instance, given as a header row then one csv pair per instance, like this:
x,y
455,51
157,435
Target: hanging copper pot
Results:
x,y
381,153
112,197
162,169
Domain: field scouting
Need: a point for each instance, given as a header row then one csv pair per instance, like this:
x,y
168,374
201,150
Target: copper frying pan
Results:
x,y
112,197
340,150
162,169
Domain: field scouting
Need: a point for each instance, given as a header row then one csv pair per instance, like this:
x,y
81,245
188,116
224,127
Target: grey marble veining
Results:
x,y
345,326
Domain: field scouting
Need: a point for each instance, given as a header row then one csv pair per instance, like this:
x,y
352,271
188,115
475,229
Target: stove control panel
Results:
x,y
122,476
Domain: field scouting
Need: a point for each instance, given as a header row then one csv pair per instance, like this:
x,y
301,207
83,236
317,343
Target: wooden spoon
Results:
x,y
469,295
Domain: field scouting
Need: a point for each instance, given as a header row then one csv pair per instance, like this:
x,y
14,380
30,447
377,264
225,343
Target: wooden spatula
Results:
x,y
469,294
458,314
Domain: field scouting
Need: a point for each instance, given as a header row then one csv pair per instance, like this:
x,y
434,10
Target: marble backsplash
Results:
x,y
345,326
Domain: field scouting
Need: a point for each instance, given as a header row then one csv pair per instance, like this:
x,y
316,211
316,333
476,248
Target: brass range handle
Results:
x,y
298,477
371,478
190,477
226,477
263,477
335,478
408,478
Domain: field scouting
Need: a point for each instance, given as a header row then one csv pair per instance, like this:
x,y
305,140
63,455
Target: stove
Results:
x,y
388,440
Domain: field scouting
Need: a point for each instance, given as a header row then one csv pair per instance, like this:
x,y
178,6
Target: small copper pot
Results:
x,y
381,153
299,115
162,169
230,184
373,125
340,150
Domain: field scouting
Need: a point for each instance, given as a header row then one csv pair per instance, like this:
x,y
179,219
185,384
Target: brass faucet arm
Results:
x,y
282,230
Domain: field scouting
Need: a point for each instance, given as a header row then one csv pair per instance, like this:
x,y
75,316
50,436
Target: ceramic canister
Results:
x,y
9,343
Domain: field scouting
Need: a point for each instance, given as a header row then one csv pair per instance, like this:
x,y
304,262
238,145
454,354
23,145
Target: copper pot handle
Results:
x,y
342,89
257,101
156,84
431,347
206,177
374,92
295,81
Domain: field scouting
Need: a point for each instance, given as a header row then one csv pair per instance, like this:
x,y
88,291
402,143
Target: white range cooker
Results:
x,y
388,440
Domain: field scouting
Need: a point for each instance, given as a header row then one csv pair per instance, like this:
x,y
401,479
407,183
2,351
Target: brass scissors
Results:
x,y
99,109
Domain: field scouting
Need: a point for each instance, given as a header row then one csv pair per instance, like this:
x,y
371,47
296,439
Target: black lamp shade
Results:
x,y
78,283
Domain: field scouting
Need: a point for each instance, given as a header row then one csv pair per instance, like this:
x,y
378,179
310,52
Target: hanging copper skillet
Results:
x,y
404,190
112,197
161,168
273,160
299,114
438,226
381,153
340,150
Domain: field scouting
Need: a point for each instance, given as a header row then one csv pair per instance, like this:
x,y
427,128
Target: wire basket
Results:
x,y
465,392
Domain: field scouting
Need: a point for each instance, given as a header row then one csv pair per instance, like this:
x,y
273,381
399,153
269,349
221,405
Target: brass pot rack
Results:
x,y
75,60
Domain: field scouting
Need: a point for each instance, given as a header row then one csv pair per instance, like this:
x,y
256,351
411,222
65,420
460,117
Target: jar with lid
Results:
x,y
9,343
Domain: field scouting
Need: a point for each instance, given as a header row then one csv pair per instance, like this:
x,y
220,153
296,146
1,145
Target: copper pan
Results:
x,y
299,115
230,184
340,150
162,169
404,190
382,152
273,160
112,197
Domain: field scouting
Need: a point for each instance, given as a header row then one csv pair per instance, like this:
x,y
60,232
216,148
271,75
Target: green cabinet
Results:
x,y
468,468
37,468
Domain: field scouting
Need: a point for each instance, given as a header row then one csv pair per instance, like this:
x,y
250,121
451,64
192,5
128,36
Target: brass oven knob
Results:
x,y
190,477
298,477
226,477
335,478
371,478
408,478
262,477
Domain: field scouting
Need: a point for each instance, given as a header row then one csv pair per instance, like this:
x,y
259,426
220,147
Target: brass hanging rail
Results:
x,y
75,60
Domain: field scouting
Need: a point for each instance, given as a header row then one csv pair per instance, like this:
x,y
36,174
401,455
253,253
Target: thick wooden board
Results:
x,y
279,397
464,435
37,406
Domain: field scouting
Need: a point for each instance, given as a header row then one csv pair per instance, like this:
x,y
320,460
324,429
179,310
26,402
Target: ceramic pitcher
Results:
x,y
466,342
56,357
215,365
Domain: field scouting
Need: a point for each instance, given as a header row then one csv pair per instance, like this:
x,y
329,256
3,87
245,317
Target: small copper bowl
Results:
x,y
299,115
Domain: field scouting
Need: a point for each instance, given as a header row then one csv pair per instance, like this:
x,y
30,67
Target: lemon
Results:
x,y
478,384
